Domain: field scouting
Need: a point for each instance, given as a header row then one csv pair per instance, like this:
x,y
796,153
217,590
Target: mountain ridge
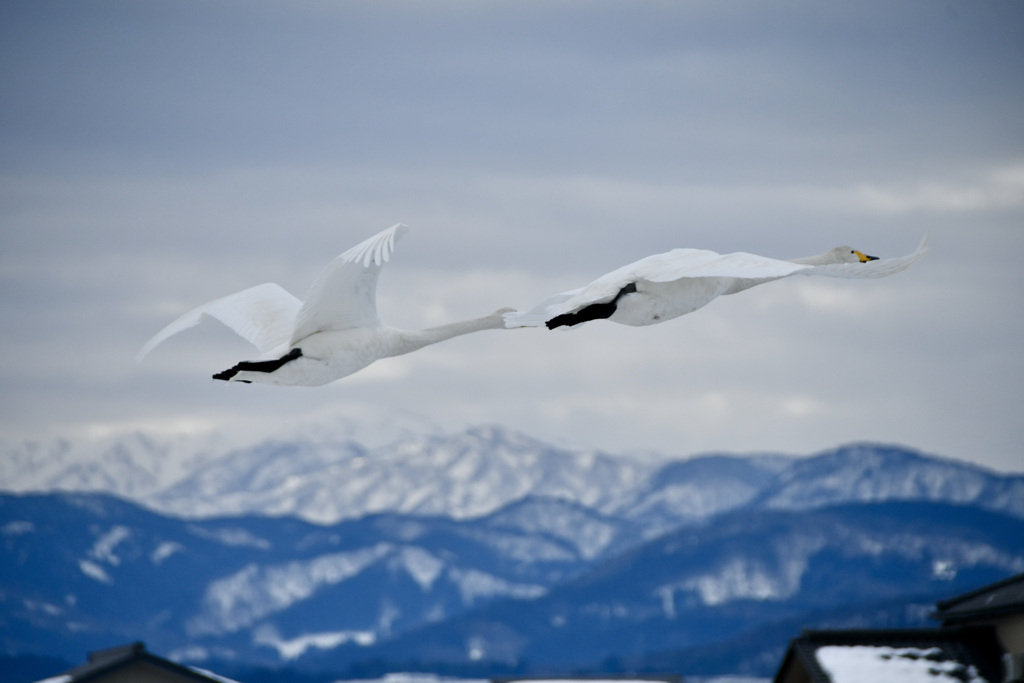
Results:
x,y
529,582
741,573
261,588
472,473
484,546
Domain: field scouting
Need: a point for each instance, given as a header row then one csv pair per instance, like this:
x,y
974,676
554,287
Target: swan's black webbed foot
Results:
x,y
258,366
591,312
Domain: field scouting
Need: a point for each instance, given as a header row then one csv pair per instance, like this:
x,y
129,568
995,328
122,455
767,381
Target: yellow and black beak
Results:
x,y
864,258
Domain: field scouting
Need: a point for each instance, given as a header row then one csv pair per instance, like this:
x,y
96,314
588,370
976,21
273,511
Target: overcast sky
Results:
x,y
156,155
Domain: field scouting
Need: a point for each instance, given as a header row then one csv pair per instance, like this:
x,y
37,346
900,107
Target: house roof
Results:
x,y
106,661
946,654
995,600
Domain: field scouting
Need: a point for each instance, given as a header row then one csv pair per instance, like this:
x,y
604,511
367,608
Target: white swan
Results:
x,y
333,333
665,286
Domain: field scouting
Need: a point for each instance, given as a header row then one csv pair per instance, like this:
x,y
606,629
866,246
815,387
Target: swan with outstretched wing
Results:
x,y
665,286
333,333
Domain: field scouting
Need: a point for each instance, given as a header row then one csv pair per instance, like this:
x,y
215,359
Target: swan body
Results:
x,y
665,286
333,333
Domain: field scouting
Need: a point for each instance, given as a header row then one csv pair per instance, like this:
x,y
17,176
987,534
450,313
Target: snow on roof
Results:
x,y
213,676
883,664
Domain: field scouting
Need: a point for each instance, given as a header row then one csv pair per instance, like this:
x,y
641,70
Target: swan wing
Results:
x,y
344,294
680,264
263,315
693,270
877,268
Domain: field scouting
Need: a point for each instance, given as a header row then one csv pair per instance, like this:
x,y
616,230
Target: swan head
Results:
x,y
848,255
837,255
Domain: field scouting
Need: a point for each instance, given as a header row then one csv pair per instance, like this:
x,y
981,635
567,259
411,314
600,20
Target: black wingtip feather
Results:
x,y
258,365
591,312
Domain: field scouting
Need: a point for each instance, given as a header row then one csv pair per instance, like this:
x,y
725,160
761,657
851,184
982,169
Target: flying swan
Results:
x,y
665,286
333,333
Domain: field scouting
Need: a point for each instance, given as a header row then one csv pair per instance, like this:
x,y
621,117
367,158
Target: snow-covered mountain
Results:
x,y
870,472
878,564
326,478
82,570
136,465
328,475
541,581
461,475
325,548
133,465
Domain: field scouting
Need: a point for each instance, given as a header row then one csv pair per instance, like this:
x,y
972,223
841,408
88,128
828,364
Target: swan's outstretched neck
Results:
x,y
412,340
817,260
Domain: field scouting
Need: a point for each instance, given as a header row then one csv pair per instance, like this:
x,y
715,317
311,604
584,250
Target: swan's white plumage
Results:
x,y
344,294
334,333
682,280
263,315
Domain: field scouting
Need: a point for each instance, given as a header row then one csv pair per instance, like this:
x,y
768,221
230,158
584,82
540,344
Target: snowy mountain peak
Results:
x,y
870,472
325,476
